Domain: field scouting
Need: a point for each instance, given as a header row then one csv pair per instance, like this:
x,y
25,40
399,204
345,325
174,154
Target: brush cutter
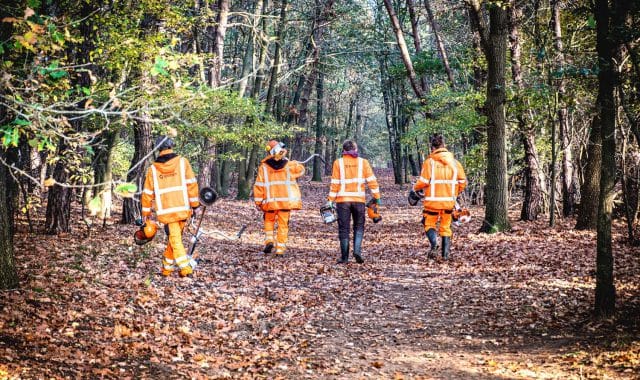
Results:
x,y
312,157
207,197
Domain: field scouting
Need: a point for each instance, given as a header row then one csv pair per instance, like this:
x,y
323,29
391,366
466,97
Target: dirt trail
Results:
x,y
508,306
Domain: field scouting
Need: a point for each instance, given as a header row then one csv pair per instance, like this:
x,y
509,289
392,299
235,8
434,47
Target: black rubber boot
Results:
x,y
446,245
433,240
357,246
268,247
344,251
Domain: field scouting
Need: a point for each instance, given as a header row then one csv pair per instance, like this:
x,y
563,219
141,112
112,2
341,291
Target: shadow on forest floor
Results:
x,y
508,306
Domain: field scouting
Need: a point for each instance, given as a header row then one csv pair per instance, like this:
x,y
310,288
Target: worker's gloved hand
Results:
x,y
379,201
331,204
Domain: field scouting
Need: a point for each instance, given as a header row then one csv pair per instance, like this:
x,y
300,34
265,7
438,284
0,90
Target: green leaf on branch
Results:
x,y
126,190
23,122
159,67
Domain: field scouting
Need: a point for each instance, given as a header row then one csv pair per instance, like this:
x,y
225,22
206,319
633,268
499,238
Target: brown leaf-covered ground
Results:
x,y
509,306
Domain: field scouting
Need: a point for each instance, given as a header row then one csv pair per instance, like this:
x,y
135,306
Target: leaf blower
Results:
x,y
415,197
460,215
328,213
373,210
146,232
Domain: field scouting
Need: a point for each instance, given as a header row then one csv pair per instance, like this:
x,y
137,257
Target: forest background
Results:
x,y
539,100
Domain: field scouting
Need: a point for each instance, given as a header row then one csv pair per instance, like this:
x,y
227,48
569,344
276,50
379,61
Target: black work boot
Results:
x,y
268,247
344,251
357,246
433,240
446,245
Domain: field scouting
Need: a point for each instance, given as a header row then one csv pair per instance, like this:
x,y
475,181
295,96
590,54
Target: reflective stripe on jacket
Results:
x,y
174,188
277,189
348,177
442,179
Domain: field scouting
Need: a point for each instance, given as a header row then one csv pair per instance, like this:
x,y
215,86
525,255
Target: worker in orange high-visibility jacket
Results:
x,y
442,179
276,193
172,187
348,178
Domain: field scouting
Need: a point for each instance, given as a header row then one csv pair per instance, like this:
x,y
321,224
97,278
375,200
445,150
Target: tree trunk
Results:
x,y
247,62
262,56
590,189
568,185
479,72
317,164
8,272
391,120
533,199
58,214
416,41
276,58
102,168
246,169
605,298
404,51
440,44
137,170
215,75
494,44
207,164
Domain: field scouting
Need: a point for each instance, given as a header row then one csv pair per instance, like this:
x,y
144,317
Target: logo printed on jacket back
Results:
x,y
168,175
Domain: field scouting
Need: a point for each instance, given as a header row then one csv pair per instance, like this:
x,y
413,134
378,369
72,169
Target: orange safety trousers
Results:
x,y
431,218
175,254
280,217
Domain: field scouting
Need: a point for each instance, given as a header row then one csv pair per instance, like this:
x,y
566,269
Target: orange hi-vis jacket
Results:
x,y
275,187
443,179
170,182
348,177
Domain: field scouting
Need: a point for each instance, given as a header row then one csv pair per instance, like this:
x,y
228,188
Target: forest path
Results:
x,y
508,306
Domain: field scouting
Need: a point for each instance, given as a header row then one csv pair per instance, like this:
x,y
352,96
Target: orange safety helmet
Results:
x,y
275,148
146,233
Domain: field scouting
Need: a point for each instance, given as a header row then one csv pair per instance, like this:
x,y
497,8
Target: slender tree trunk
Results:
x,y
247,62
304,111
103,173
8,272
424,85
494,44
568,185
605,300
404,51
207,164
262,56
276,57
317,164
58,214
439,43
590,189
246,169
391,120
142,146
533,199
215,75
479,72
